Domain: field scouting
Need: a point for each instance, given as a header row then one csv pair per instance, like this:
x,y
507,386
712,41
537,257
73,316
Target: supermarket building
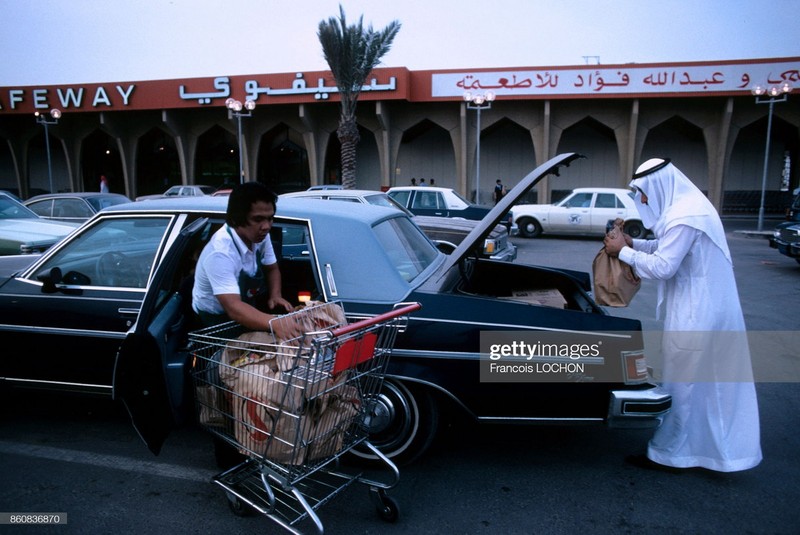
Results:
x,y
146,136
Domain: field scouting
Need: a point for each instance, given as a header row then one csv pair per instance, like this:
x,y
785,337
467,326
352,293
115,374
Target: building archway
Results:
x,y
157,163
684,144
745,172
283,160
597,142
507,154
8,171
100,157
426,151
217,158
38,170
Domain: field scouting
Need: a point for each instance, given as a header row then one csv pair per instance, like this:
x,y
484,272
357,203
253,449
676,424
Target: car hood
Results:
x,y
476,237
454,224
34,229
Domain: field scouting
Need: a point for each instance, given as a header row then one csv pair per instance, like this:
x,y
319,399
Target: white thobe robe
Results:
x,y
714,420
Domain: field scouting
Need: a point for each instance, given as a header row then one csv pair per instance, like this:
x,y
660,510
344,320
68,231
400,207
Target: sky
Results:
x,y
54,42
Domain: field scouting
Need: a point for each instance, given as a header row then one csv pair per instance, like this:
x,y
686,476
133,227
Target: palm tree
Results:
x,y
352,52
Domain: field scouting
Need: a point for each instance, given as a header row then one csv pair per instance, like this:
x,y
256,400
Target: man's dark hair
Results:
x,y
242,198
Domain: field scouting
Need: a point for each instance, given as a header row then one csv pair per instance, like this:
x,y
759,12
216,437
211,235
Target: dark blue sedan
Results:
x,y
114,291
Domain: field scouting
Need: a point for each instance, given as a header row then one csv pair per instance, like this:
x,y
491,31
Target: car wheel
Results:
x,y
402,423
634,229
529,227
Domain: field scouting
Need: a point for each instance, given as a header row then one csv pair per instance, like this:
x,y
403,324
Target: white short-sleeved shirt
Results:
x,y
218,268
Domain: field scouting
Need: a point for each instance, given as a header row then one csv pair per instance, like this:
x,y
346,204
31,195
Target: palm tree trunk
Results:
x,y
348,139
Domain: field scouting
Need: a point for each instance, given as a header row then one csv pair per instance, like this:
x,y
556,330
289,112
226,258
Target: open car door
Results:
x,y
151,373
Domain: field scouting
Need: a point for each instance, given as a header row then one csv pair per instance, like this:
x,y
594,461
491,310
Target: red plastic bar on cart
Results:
x,y
386,316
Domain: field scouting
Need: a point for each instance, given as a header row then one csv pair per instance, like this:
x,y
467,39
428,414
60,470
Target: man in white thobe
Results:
x,y
714,422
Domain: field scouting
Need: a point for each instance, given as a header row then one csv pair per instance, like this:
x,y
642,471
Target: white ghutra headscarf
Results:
x,y
672,199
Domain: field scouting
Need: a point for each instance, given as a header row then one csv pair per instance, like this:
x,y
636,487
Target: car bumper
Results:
x,y
791,249
509,254
638,408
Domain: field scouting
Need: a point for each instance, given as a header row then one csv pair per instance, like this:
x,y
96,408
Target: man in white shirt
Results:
x,y
238,265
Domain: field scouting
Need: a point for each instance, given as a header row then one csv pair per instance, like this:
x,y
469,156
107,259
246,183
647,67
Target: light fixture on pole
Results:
x,y
235,110
478,102
55,115
768,95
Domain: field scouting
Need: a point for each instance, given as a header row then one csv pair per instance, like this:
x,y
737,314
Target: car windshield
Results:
x,y
409,251
118,252
10,209
385,200
461,197
103,202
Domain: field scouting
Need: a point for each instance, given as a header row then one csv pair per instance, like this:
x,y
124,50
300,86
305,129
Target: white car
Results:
x,y
584,212
180,191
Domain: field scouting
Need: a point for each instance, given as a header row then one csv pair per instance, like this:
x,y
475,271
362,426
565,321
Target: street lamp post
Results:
x,y
235,110
768,95
55,114
478,102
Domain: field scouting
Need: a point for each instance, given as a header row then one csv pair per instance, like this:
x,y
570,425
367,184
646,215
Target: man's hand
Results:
x,y
615,241
279,302
287,328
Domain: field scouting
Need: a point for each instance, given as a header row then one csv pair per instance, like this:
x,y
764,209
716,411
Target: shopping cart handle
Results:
x,y
401,309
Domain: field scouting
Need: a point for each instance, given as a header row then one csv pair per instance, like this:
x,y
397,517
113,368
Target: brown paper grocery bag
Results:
x,y
615,283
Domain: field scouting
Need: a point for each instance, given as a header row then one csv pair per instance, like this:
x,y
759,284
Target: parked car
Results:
x,y
181,191
24,232
793,211
444,202
446,232
325,187
76,207
786,239
584,212
114,292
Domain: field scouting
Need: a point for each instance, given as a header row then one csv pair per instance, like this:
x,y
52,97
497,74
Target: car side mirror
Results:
x,y
55,277
50,280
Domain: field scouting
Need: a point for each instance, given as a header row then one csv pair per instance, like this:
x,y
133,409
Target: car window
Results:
x,y
577,200
408,249
71,208
10,209
345,199
207,190
400,196
427,199
43,208
118,252
606,200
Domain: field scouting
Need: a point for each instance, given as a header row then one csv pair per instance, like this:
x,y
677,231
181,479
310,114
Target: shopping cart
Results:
x,y
294,407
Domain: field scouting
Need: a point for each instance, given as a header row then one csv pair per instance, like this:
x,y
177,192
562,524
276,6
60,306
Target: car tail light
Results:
x,y
303,297
634,367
